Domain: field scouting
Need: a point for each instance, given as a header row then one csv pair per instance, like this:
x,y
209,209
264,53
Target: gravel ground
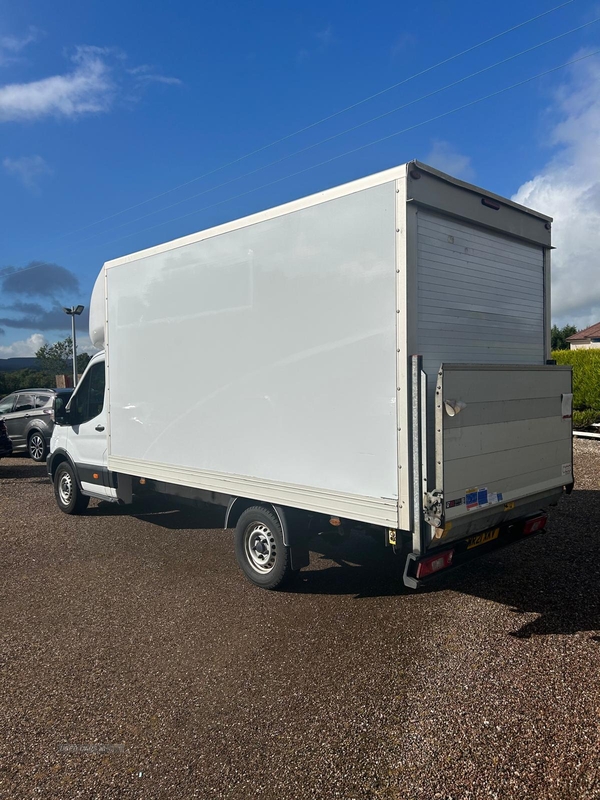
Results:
x,y
136,662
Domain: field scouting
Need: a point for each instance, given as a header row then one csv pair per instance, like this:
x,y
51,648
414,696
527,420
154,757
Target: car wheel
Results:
x,y
67,492
37,447
259,548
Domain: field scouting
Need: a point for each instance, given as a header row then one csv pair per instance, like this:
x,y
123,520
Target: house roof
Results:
x,y
587,333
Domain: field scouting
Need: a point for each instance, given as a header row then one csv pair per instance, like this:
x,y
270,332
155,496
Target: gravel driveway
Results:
x,y
136,662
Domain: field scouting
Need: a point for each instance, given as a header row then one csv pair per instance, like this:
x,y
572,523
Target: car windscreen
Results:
x,y
6,404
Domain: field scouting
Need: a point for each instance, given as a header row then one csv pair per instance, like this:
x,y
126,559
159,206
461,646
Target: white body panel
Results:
x,y
271,355
98,491
98,313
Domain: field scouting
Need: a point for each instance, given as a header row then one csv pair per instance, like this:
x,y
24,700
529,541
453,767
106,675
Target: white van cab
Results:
x,y
79,449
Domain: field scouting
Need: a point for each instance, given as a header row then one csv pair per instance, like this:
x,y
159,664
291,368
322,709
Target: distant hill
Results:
x,y
13,364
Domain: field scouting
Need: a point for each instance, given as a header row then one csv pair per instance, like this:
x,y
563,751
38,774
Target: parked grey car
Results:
x,y
29,418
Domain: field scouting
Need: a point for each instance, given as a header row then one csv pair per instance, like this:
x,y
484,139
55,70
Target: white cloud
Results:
x,y
161,79
568,189
446,158
98,78
145,73
25,348
84,345
11,45
87,89
29,170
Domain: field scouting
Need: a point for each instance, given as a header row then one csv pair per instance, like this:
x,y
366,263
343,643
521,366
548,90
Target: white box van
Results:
x,y
376,354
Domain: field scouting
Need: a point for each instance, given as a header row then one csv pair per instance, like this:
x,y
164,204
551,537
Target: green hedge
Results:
x,y
586,376
585,419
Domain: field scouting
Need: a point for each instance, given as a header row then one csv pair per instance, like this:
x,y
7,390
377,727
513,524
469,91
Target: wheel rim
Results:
x,y
260,547
65,488
36,446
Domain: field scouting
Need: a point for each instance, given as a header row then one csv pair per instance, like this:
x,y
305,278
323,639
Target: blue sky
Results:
x,y
104,106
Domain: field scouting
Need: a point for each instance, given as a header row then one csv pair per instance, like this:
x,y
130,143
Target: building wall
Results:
x,y
586,344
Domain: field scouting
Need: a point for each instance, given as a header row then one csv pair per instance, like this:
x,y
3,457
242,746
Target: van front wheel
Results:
x,y
67,492
259,548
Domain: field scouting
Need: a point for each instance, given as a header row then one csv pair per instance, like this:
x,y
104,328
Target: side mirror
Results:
x,y
61,413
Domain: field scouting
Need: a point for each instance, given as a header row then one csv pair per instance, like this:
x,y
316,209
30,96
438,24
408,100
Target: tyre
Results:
x,y
67,492
37,447
259,548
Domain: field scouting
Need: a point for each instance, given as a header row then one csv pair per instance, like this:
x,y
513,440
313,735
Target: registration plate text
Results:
x,y
482,538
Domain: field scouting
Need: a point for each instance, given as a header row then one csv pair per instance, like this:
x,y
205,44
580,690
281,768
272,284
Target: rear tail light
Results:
x,y
535,524
434,563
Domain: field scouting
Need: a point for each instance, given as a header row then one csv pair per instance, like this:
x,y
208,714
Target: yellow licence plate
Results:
x,y
482,538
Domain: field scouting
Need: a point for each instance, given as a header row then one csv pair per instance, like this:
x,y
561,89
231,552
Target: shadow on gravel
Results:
x,y
19,469
555,575
362,567
161,511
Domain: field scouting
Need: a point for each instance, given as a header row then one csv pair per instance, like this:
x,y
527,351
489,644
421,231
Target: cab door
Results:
x,y
88,442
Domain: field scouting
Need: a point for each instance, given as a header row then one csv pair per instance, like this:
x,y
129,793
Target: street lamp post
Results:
x,y
73,312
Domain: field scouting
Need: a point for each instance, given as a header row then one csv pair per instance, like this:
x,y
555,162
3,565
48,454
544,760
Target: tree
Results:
x,y
560,336
57,359
83,359
24,379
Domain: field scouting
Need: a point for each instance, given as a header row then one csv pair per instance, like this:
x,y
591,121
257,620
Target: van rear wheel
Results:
x,y
67,492
259,548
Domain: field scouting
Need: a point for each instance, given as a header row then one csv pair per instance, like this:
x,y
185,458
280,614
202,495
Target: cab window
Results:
x,y
88,400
